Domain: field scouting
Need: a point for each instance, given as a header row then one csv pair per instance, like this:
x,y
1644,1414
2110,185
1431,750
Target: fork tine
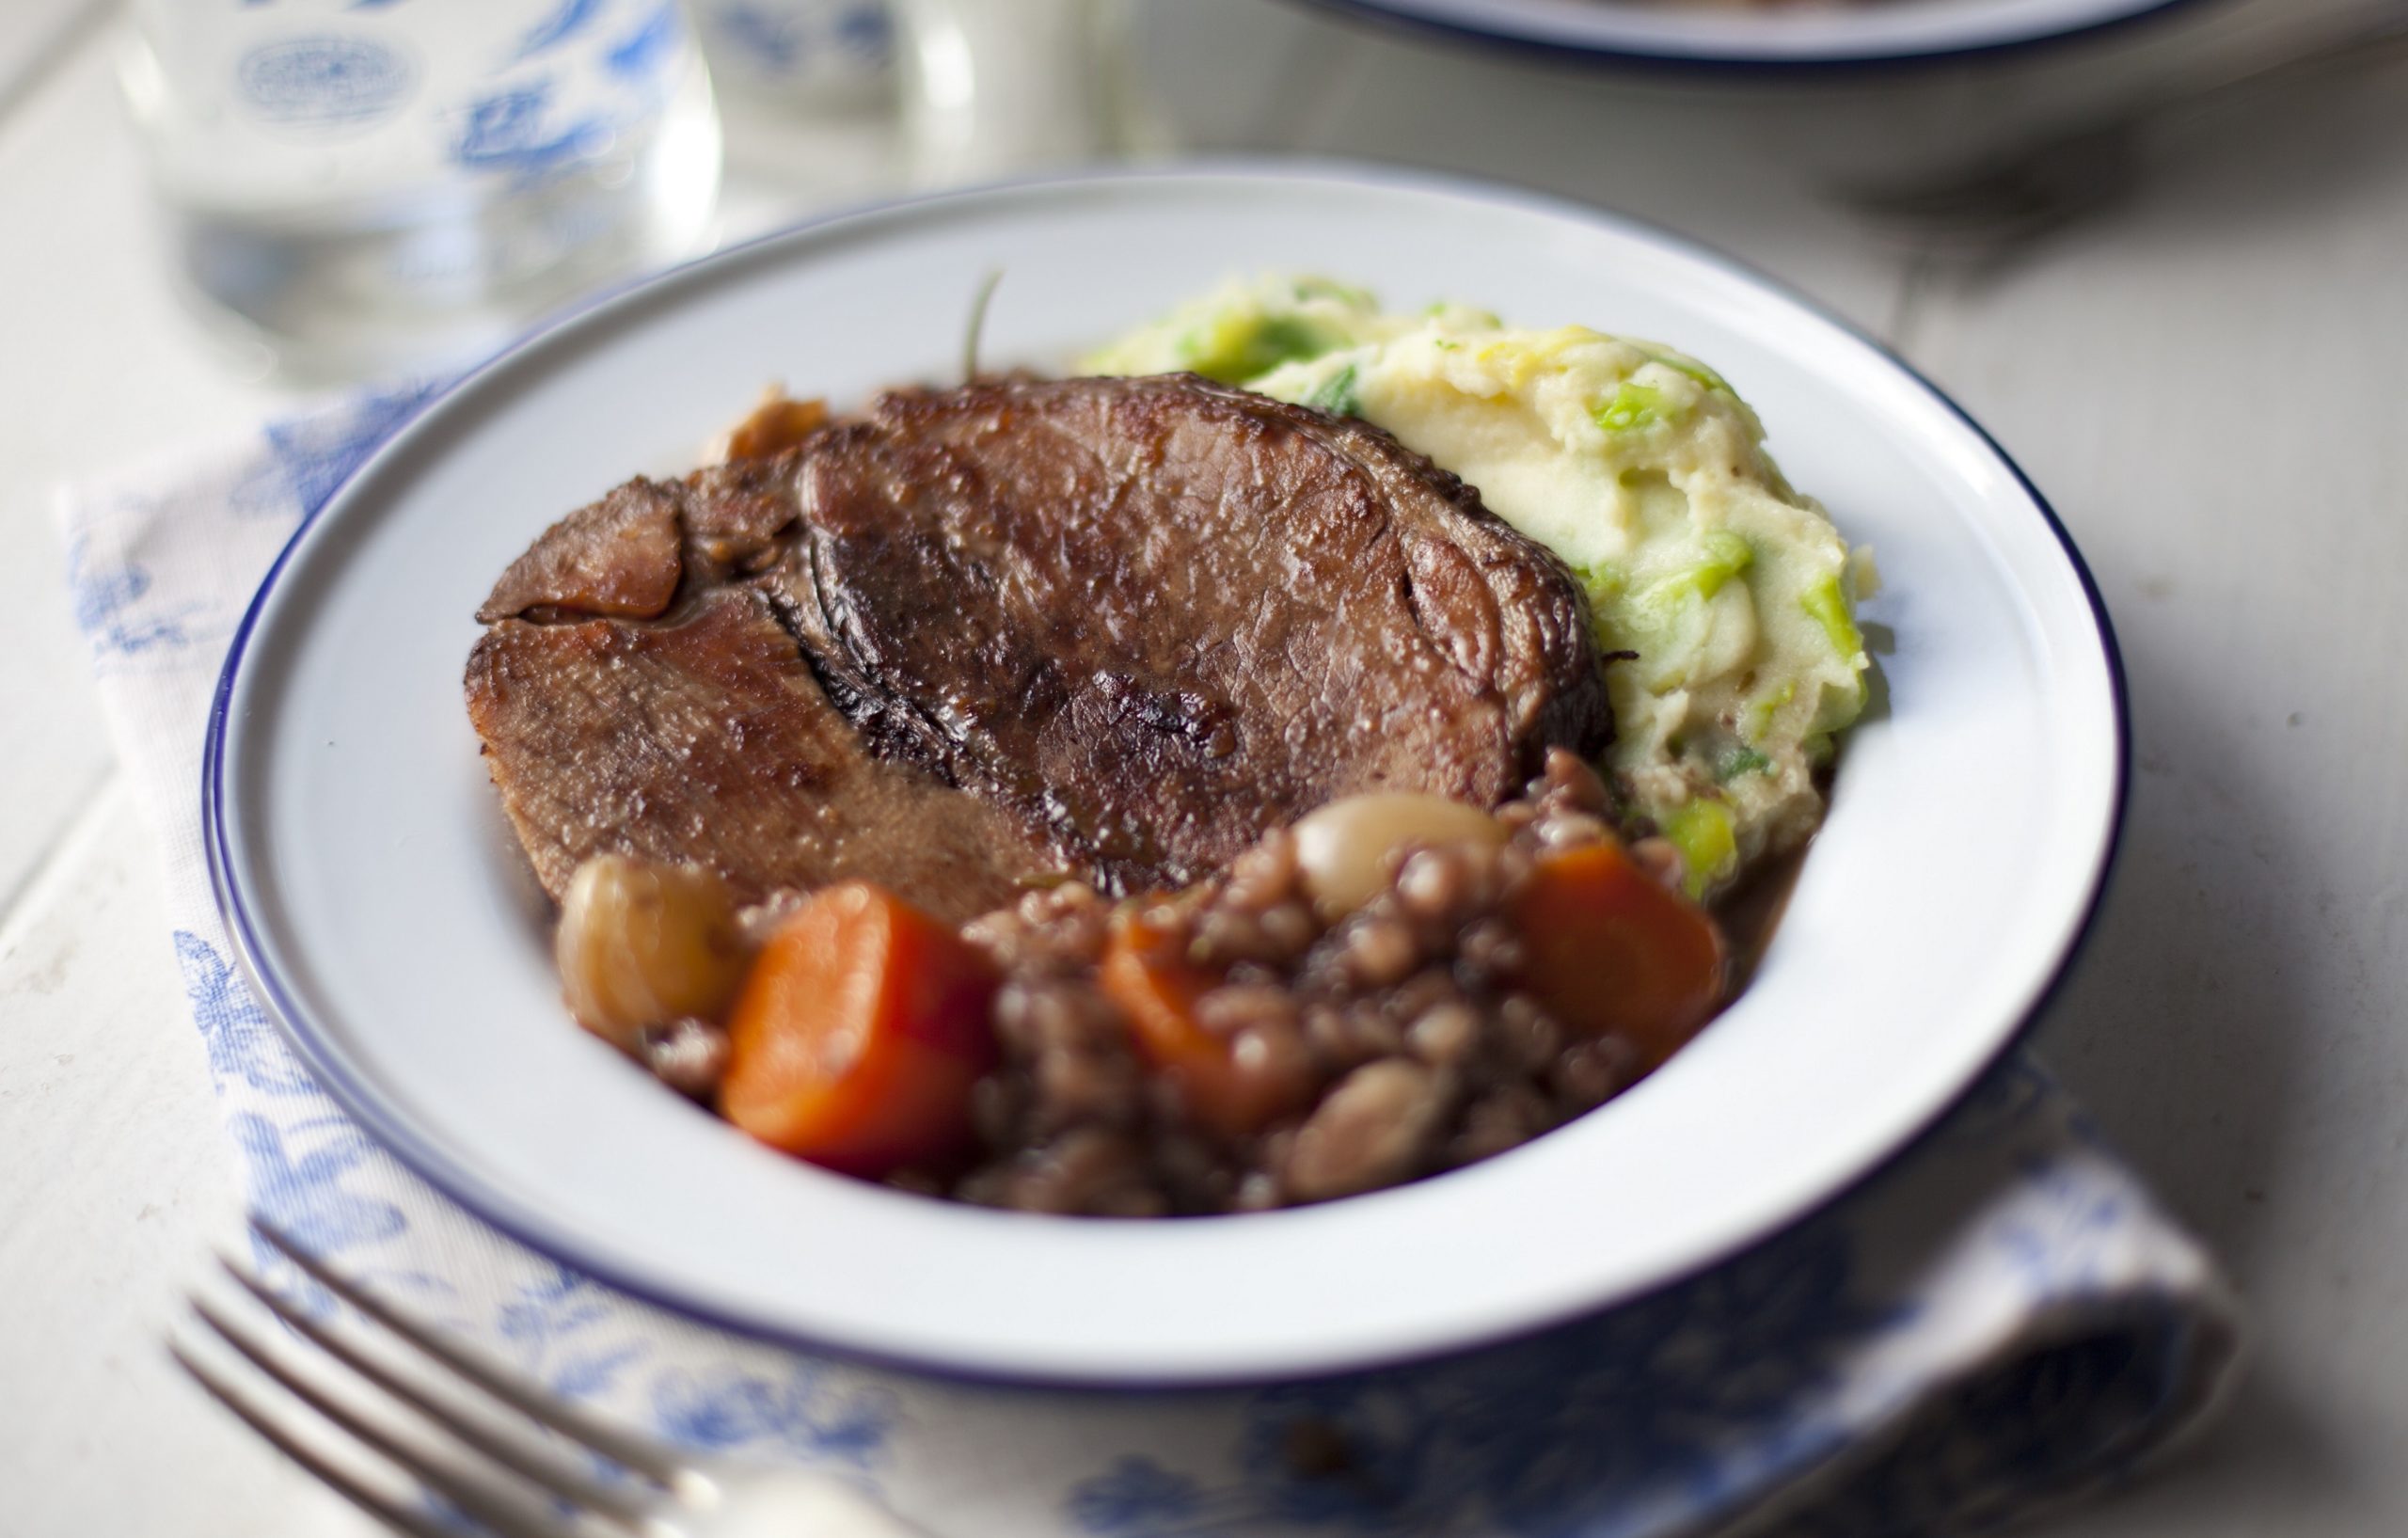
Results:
x,y
391,1513
538,1467
504,1515
644,1457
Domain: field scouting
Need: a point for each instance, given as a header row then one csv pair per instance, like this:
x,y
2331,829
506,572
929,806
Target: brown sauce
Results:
x,y
1753,909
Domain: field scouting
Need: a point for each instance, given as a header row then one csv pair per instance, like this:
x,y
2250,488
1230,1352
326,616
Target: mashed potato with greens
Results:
x,y
1646,474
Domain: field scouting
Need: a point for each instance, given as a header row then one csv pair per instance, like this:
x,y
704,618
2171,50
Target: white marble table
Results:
x,y
2209,380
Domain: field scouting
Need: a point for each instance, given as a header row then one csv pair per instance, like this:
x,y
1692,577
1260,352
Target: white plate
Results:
x,y
384,912
1835,33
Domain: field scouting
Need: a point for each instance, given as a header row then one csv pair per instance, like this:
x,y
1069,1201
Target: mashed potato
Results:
x,y
1646,474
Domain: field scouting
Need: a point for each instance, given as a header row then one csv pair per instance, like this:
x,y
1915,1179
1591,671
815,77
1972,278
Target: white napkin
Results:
x,y
2001,1319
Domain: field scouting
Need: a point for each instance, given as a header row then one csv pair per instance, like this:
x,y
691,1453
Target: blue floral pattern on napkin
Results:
x,y
2001,1319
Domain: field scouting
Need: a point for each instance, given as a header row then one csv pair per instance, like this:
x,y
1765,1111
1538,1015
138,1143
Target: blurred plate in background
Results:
x,y
1782,34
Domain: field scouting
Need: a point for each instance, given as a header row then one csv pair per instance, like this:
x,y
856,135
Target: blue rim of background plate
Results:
x,y
1734,61
441,1172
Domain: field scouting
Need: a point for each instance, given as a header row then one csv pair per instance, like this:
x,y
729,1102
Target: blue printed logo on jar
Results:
x,y
328,81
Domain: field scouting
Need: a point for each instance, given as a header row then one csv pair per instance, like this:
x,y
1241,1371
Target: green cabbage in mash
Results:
x,y
1646,474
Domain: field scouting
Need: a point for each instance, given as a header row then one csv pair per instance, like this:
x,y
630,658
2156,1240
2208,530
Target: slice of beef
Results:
x,y
702,737
618,557
1140,620
1156,616
626,556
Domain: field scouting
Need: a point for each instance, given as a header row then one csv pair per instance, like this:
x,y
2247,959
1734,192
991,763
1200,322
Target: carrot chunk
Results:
x,y
859,1034
1157,988
1612,951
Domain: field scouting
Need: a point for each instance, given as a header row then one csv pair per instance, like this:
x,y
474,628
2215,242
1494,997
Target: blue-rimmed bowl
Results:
x,y
382,912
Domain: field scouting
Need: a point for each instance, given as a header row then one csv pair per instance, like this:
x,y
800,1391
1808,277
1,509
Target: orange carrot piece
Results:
x,y
1614,951
859,1034
1157,988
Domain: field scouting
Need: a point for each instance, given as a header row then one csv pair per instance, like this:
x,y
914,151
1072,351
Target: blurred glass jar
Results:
x,y
999,88
361,187
804,56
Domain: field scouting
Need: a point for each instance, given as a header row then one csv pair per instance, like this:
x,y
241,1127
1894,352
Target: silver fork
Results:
x,y
505,1475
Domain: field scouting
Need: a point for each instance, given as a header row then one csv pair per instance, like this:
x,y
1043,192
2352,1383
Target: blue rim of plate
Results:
x,y
1735,60
447,1176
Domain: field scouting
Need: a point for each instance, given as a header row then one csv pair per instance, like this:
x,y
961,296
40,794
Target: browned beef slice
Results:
x,y
735,512
624,556
703,737
1158,616
615,557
